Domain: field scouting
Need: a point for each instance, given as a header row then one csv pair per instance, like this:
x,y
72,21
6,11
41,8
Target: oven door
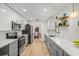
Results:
x,y
21,45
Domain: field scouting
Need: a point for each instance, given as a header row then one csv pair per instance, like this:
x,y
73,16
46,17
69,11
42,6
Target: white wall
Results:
x,y
7,15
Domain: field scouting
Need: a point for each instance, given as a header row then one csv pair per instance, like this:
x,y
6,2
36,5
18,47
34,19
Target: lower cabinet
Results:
x,y
51,45
48,43
13,48
53,48
65,54
4,51
57,51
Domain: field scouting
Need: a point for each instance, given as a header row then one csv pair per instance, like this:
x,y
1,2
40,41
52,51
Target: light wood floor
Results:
x,y
37,48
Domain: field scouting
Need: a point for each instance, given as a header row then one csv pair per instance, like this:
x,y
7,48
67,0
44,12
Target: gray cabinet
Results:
x,y
48,43
65,54
50,46
4,51
13,48
57,51
53,48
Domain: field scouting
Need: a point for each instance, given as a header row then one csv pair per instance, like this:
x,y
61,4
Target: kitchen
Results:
x,y
55,26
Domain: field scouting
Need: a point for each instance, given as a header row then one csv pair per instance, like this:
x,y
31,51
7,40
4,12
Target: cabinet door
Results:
x,y
57,51
45,39
65,54
26,39
51,47
4,51
54,50
48,44
13,48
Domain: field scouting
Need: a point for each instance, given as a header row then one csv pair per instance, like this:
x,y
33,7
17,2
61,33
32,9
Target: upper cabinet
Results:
x,y
7,15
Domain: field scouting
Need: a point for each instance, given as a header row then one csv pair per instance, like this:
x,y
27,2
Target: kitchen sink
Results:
x,y
52,35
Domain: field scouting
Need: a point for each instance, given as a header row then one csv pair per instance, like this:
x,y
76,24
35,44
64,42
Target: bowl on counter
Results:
x,y
76,43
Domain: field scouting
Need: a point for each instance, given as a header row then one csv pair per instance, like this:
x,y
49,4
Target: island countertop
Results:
x,y
65,44
6,42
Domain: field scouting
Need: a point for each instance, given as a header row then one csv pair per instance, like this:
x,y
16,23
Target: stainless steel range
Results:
x,y
21,46
21,41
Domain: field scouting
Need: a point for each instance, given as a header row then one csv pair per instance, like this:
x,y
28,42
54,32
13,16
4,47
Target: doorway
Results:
x,y
37,33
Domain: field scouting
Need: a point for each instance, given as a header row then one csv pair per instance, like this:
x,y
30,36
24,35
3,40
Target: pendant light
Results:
x,y
74,13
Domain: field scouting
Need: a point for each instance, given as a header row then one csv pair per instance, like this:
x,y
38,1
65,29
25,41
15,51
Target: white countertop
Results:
x,y
66,45
6,42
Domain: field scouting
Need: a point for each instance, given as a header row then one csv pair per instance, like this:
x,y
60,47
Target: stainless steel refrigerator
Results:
x,y
29,31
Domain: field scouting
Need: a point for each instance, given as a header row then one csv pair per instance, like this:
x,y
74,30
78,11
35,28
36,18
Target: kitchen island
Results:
x,y
59,46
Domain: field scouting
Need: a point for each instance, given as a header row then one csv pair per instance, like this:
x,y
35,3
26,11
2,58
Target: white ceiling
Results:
x,y
36,10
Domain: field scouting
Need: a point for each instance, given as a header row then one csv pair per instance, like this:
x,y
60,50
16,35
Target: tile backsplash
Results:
x,y
2,35
69,33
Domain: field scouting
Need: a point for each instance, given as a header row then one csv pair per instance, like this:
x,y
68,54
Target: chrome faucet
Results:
x,y
57,31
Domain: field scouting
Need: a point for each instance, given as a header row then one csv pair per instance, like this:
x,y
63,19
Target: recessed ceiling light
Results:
x,y
45,10
24,10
